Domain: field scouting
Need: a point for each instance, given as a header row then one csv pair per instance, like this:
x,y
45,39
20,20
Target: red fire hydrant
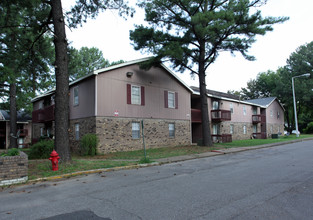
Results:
x,y
54,160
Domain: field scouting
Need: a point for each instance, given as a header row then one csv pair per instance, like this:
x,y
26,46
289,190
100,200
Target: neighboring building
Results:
x,y
112,102
232,119
23,129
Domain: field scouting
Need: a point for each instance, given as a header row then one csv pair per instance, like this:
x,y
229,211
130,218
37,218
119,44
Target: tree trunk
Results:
x,y
62,84
13,116
206,131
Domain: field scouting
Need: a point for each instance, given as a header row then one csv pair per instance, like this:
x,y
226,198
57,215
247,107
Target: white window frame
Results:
x,y
171,101
76,130
75,96
135,130
134,96
244,110
244,129
171,130
271,112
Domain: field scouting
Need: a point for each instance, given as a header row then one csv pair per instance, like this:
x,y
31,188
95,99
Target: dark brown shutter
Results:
x,y
176,100
165,99
129,92
142,95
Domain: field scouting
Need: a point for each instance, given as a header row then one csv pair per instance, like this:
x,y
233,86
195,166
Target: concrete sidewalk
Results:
x,y
170,160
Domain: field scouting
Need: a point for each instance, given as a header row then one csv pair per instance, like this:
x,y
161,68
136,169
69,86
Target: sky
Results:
x,y
110,33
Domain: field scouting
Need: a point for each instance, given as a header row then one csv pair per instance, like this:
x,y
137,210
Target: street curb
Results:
x,y
167,160
68,175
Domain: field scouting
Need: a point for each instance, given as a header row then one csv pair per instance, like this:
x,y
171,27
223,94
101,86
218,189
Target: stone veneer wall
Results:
x,y
86,125
238,129
13,169
115,134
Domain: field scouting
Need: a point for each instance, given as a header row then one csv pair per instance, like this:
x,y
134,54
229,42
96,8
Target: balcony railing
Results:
x,y
220,115
258,119
261,135
221,138
43,115
196,116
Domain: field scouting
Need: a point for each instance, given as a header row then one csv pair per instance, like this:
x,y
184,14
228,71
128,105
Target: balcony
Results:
x,y
221,138
220,115
196,116
261,135
43,115
258,119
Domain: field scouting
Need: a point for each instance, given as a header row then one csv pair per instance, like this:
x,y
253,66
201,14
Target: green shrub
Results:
x,y
88,145
11,152
41,150
309,128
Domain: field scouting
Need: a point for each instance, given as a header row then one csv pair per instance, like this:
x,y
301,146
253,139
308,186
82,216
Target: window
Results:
x,y
41,131
255,128
171,99
277,114
75,101
255,110
216,129
76,132
135,95
40,105
171,128
244,129
135,130
271,113
231,129
215,105
231,107
244,110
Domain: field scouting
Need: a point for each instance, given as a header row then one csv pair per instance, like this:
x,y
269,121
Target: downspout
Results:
x,y
96,97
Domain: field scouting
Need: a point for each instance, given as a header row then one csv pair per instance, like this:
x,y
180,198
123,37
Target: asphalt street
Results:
x,y
270,183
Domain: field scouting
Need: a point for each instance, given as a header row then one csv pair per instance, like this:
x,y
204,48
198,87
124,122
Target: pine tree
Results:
x,y
190,34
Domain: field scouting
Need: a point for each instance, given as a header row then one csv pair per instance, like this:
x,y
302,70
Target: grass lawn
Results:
x,y
42,168
255,142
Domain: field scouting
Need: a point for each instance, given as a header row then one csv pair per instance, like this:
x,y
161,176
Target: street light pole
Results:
x,y
294,100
